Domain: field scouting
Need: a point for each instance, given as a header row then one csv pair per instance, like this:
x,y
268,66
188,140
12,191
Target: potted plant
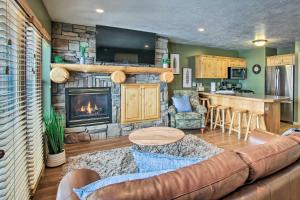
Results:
x,y
165,61
54,123
83,46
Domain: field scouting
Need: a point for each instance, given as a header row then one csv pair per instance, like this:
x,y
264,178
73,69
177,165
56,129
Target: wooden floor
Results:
x,y
49,182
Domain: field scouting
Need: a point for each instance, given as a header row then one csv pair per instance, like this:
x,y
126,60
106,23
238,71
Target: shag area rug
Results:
x,y
120,161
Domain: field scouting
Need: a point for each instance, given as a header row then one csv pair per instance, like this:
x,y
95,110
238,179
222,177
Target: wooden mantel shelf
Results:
x,y
60,72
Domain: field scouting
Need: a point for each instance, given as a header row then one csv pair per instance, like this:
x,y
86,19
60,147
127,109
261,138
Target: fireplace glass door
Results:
x,y
88,106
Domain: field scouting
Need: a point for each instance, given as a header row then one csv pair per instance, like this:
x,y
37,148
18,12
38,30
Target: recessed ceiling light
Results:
x,y
146,46
259,43
99,10
201,29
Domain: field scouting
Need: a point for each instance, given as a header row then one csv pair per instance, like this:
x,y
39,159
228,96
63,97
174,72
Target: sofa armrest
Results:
x,y
200,109
258,136
172,110
75,179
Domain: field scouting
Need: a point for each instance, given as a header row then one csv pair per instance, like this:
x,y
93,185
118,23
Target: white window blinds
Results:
x,y
34,106
13,167
20,104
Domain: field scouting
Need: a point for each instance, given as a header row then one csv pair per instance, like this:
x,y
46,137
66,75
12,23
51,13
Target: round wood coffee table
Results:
x,y
156,136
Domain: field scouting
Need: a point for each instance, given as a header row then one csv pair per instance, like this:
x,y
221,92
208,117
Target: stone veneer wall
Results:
x,y
66,39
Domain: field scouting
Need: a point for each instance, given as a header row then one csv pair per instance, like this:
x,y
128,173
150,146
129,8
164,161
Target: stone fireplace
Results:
x,y
66,39
95,82
87,106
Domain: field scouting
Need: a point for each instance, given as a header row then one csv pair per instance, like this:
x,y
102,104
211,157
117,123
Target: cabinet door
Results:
x,y
199,67
151,101
131,103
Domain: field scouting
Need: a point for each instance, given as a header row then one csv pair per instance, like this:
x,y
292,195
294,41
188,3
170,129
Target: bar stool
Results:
x,y
240,114
204,101
221,114
210,111
210,115
260,122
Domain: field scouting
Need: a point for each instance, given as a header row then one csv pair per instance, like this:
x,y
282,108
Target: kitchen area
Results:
x,y
275,103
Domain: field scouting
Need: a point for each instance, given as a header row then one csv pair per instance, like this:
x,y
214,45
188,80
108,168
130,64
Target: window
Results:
x,y
20,103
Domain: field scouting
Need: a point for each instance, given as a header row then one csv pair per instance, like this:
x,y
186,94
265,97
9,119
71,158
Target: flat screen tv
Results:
x,y
124,46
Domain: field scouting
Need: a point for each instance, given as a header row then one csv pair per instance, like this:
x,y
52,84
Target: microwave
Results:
x,y
237,73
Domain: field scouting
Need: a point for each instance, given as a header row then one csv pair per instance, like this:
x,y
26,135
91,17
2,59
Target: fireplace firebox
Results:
x,y
87,106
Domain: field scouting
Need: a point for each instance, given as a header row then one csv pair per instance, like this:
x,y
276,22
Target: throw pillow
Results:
x,y
182,103
85,191
149,162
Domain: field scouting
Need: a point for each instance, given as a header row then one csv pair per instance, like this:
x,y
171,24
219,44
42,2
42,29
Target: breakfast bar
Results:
x,y
267,104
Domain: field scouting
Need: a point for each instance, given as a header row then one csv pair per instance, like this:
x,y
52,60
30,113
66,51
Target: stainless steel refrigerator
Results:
x,y
280,82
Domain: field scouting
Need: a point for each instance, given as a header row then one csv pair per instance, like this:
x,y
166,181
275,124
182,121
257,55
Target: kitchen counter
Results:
x,y
249,96
269,105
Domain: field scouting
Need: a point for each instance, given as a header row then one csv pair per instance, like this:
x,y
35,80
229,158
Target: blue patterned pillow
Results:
x,y
182,103
85,191
149,162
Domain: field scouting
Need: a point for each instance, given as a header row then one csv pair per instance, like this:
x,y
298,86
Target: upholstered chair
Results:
x,y
188,120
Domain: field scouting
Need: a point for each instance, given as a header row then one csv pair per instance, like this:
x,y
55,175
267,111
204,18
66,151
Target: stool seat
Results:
x,y
257,113
203,99
239,110
213,106
223,107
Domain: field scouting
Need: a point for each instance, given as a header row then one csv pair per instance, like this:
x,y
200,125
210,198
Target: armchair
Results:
x,y
188,120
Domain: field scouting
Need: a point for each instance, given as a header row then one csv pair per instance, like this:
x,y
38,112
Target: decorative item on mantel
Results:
x,y
165,61
83,46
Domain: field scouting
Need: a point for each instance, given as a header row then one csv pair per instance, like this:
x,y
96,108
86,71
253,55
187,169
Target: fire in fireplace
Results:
x,y
87,106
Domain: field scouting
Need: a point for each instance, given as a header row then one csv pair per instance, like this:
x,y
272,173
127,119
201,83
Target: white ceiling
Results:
x,y
229,24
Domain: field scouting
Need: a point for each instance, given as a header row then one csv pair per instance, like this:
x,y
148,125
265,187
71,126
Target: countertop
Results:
x,y
249,96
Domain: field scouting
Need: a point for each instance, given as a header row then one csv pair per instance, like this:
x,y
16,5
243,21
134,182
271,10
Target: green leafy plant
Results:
x,y
82,48
55,130
165,59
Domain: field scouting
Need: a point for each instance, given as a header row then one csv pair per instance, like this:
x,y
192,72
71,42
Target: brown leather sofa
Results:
x,y
269,170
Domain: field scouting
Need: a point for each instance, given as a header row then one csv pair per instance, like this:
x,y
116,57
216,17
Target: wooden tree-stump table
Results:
x,y
155,136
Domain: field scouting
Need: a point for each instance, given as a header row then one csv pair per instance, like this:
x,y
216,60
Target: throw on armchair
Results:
x,y
188,120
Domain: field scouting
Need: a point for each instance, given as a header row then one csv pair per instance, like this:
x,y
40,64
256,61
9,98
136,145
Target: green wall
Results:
x,y
41,13
185,53
46,59
256,82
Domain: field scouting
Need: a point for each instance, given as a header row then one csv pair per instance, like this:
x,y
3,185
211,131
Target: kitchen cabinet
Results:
x,y
286,59
208,66
140,102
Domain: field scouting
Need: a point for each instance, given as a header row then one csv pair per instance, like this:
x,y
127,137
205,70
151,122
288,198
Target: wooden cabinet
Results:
x,y
140,102
208,66
286,59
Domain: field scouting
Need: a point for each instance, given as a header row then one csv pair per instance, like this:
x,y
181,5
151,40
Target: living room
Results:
x,y
149,100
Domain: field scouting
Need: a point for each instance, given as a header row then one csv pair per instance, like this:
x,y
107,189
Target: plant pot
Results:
x,y
165,65
55,160
82,60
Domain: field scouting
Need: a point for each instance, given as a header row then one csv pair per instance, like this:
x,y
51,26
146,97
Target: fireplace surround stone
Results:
x,y
114,129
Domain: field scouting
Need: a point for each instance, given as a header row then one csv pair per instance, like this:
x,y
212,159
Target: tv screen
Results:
x,y
117,45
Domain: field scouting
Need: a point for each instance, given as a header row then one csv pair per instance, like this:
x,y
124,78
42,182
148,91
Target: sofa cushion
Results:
x,y
187,115
149,162
182,103
210,179
85,191
268,158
